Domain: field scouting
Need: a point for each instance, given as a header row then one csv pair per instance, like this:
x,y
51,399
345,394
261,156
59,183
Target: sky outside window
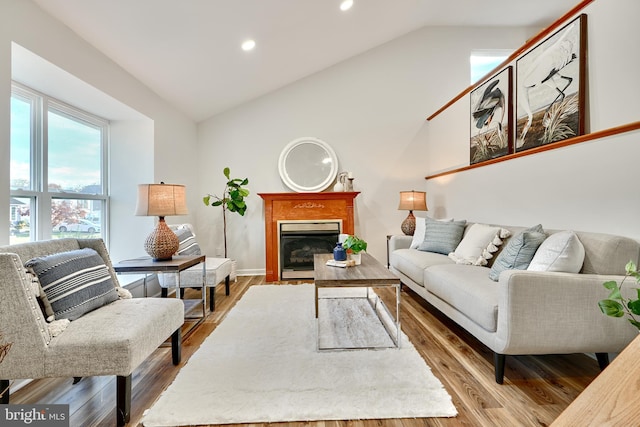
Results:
x,y
75,151
20,170
483,62
74,155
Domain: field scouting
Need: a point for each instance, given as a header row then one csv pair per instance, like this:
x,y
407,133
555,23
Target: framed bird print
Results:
x,y
550,88
491,118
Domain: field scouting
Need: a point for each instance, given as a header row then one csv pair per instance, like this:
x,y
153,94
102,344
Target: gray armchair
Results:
x,y
111,340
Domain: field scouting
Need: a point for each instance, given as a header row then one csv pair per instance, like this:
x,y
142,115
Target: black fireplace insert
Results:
x,y
299,241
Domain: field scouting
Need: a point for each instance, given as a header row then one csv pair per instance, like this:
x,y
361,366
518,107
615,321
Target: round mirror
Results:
x,y
307,165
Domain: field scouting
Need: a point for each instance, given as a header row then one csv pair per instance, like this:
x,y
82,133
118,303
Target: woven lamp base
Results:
x,y
408,226
162,243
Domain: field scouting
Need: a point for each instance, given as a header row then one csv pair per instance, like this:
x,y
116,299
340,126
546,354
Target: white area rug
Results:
x,y
261,365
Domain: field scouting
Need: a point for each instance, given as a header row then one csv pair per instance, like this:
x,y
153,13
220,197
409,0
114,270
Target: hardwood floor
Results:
x,y
535,391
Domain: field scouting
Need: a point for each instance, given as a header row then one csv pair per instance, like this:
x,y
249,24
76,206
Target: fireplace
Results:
x,y
300,241
280,208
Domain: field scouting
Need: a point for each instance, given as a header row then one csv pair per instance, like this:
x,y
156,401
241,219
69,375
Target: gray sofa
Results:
x,y
111,340
525,312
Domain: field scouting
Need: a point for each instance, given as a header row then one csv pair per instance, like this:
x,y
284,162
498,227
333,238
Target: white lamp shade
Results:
x,y
413,201
161,200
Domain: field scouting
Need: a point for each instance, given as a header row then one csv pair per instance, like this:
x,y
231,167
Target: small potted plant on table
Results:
x,y
355,245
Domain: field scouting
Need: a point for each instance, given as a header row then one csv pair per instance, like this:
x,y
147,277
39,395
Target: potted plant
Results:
x,y
232,200
355,245
616,305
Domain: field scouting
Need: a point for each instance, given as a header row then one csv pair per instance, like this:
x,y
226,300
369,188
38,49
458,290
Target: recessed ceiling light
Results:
x,y
346,5
248,45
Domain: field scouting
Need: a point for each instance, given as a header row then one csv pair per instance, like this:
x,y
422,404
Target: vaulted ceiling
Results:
x,y
188,51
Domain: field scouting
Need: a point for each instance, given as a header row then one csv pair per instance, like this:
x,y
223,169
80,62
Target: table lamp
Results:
x,y
411,201
161,200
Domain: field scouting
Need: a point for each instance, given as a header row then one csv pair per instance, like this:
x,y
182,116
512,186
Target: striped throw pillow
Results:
x,y
75,282
188,243
442,237
518,252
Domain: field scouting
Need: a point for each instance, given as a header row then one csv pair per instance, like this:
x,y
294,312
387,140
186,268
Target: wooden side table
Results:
x,y
175,265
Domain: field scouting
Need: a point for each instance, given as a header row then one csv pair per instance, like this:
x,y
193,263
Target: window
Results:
x,y
58,171
483,61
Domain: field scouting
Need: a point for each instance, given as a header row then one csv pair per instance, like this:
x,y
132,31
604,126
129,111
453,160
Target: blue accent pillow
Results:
x,y
518,252
75,282
442,237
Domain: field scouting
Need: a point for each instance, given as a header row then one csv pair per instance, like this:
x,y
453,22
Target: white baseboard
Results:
x,y
252,272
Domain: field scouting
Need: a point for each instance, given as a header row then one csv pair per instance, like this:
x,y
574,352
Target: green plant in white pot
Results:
x,y
355,245
618,306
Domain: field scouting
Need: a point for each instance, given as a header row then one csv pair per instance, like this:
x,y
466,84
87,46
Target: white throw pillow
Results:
x,y
479,244
418,235
561,252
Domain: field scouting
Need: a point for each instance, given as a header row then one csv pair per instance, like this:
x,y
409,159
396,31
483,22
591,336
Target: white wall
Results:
x,y
131,143
371,109
590,186
158,145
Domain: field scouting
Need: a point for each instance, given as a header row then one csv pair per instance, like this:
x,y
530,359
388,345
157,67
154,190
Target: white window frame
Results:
x,y
41,197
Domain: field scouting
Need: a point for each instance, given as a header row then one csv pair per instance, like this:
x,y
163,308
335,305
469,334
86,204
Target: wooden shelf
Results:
x,y
523,49
576,140
528,45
